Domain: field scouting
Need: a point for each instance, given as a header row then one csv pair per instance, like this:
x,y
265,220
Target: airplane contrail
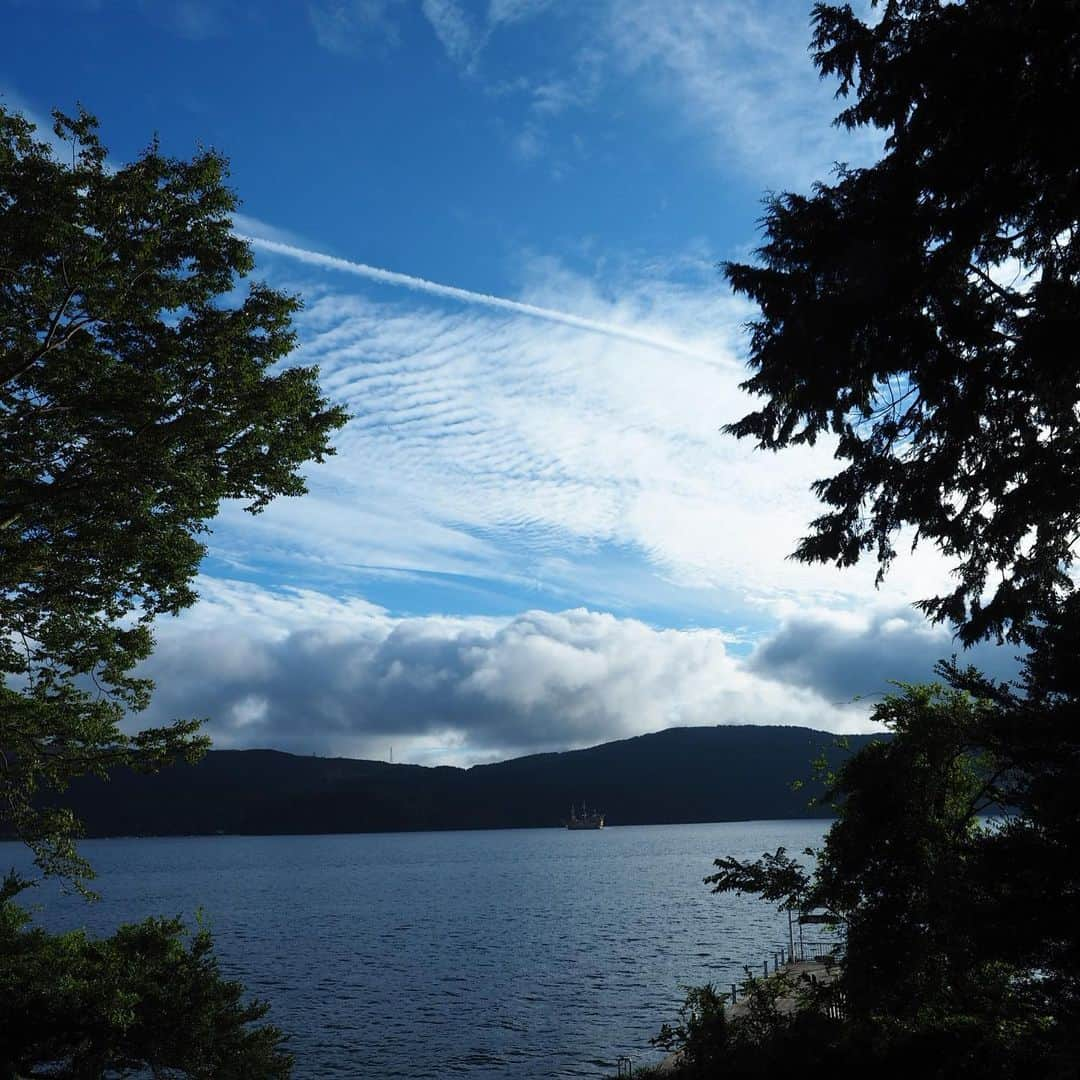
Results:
x,y
467,296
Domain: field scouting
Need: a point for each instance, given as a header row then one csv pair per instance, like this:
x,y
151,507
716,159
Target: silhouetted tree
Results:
x,y
923,313
924,310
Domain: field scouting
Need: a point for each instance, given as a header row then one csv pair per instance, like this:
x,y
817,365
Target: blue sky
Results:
x,y
534,535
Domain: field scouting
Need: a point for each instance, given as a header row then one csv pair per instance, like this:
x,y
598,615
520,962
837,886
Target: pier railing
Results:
x,y
787,959
827,951
820,950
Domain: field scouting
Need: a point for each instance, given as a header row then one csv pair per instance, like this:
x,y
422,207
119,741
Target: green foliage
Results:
x,y
701,1036
897,867
1028,867
956,952
761,1038
139,387
924,310
774,877
812,1046
149,997
900,863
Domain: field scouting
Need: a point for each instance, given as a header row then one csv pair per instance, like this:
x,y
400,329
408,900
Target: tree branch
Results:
x,y
48,343
1004,293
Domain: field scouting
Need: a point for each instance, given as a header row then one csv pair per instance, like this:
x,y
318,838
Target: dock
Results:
x,y
802,963
800,972
820,970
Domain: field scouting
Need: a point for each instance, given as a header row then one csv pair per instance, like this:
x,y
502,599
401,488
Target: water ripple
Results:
x,y
510,954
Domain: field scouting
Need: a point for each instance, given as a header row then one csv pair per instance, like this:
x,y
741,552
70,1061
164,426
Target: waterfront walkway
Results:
x,y
800,972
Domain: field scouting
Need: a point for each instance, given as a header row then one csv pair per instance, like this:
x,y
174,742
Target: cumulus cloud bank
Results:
x,y
299,670
303,671
843,655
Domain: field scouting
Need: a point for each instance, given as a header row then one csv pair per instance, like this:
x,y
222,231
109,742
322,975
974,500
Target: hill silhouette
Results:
x,y
724,773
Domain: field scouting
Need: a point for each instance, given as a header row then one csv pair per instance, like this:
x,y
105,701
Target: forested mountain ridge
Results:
x,y
724,773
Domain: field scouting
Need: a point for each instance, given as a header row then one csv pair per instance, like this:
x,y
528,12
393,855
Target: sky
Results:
x,y
505,219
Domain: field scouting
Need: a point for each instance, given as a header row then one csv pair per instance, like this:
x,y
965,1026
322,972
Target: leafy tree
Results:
x,y
939,966
776,877
902,864
702,1037
139,387
151,996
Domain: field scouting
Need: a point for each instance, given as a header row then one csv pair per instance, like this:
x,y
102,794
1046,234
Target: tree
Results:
x,y
899,865
138,389
150,997
893,865
923,312
938,968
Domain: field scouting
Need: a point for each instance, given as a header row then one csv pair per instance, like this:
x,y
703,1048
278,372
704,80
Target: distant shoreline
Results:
x,y
432,831
680,776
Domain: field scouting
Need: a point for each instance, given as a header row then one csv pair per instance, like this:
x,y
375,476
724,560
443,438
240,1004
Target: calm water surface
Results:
x,y
514,953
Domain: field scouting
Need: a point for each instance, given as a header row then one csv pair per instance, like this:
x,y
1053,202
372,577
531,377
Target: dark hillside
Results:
x,y
724,773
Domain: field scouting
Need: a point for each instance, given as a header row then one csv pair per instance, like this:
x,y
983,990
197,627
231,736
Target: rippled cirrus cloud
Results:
x,y
486,444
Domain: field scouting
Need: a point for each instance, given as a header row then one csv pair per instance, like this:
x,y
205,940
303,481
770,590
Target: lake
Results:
x,y
513,953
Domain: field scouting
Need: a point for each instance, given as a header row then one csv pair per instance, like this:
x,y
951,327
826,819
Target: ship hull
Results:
x,y
583,818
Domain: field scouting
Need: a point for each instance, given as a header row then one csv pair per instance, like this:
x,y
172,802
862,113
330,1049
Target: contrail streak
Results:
x,y
466,296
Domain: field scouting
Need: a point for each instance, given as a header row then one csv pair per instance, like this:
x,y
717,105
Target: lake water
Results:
x,y
512,953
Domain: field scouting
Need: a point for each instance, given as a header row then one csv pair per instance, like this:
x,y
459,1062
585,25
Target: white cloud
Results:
x,y
842,655
512,11
249,226
551,96
741,76
263,238
575,87
304,671
504,448
348,27
528,144
461,40
14,102
196,20
737,76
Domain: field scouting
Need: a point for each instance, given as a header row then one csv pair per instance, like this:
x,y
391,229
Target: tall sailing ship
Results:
x,y
584,819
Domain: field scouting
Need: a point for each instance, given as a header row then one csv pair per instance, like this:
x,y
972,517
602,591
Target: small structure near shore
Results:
x,y
805,964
